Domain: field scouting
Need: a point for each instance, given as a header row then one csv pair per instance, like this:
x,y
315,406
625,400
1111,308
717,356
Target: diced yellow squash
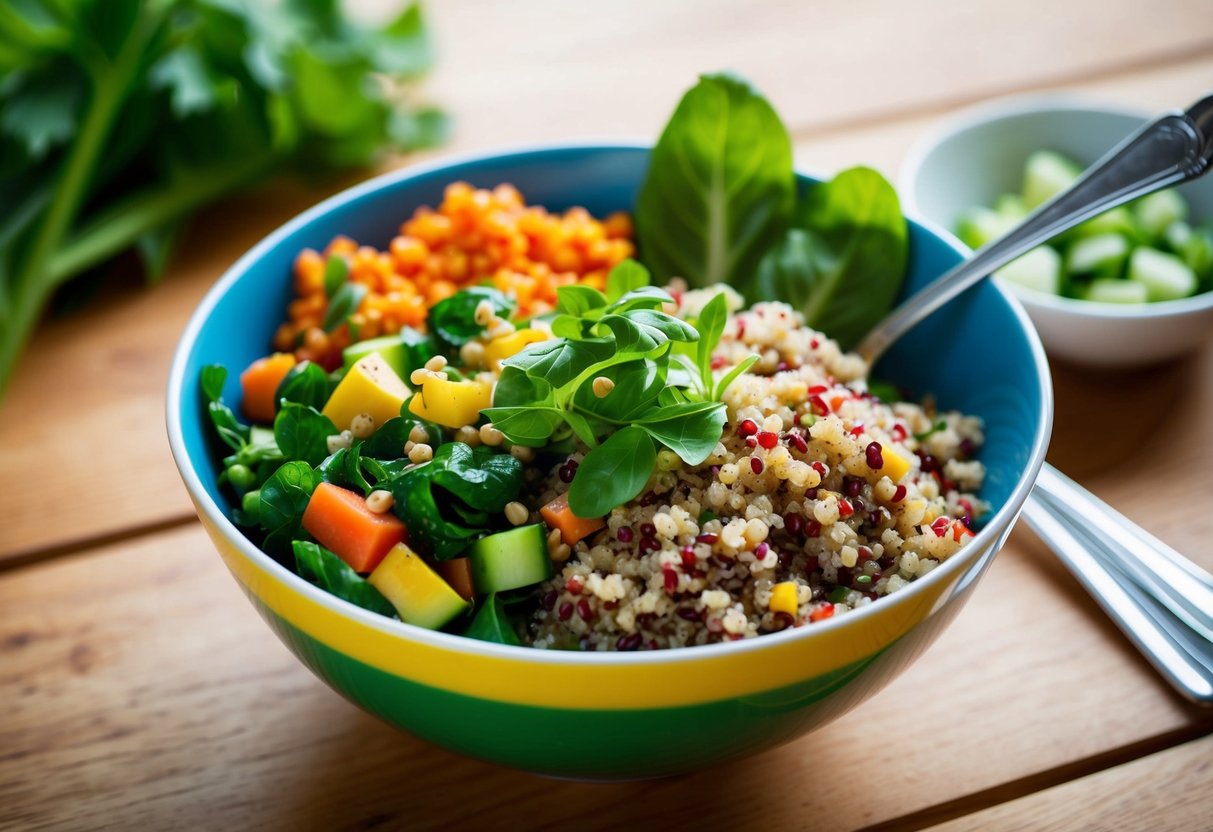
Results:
x,y
783,598
451,404
499,349
419,595
895,466
370,386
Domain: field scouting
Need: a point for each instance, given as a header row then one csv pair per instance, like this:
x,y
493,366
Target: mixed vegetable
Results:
x,y
1142,252
400,480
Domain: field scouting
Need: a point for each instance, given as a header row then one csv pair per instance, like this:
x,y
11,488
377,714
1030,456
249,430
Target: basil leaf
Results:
x,y
343,304
732,375
627,276
720,186
582,428
326,570
284,497
336,273
568,326
613,473
844,264
558,360
531,425
306,383
453,320
690,430
577,300
710,324
302,432
492,623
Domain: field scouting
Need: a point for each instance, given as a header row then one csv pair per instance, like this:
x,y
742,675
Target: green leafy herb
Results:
x,y
119,119
935,428
302,432
318,565
493,623
232,431
336,273
343,304
720,187
284,497
344,468
614,473
453,320
691,430
306,383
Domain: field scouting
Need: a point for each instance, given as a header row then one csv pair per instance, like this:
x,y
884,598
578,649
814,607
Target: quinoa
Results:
x,y
793,518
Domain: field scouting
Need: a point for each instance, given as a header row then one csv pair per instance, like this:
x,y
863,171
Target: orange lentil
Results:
x,y
473,236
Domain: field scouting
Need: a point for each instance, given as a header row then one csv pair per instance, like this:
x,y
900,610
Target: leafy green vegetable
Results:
x,y
492,623
326,570
615,472
343,304
388,441
231,430
284,497
844,262
453,320
344,468
119,118
720,187
302,432
336,273
306,383
691,430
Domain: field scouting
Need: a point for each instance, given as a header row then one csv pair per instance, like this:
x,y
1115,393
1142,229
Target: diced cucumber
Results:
x,y
1195,247
510,559
389,347
1177,236
980,225
1165,276
1111,290
1039,269
1117,221
1158,210
1010,206
1045,175
1101,256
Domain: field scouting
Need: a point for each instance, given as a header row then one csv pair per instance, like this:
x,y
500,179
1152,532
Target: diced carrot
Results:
x,y
457,573
572,528
260,382
339,519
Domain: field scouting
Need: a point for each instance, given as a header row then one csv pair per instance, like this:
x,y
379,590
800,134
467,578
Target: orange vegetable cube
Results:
x,y
558,515
260,385
339,519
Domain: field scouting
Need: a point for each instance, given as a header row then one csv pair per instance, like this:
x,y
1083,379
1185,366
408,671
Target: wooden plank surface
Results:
x,y
1169,790
97,400
141,688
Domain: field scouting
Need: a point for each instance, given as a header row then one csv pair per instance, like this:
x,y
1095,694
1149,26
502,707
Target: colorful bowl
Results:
x,y
979,154
624,715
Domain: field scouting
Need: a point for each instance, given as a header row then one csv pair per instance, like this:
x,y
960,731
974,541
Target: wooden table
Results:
x,y
139,690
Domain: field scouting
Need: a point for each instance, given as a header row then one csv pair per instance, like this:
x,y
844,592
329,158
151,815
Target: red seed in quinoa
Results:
x,y
845,509
566,611
747,427
899,494
797,442
648,530
648,544
768,440
751,442
940,526
874,457
819,467
549,599
793,523
583,609
756,465
708,538
629,642
822,612
688,613
610,605
670,579
760,551
818,389
783,621
857,430
820,408
851,486
575,584
715,625
625,534
688,557
813,529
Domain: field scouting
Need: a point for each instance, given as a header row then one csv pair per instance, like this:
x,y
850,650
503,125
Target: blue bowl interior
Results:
x,y
973,355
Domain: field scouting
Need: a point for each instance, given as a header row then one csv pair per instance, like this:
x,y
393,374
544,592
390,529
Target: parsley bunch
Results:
x,y
119,118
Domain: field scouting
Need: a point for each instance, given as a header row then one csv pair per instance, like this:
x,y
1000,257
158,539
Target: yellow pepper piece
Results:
x,y
895,466
370,386
499,349
451,404
419,595
783,598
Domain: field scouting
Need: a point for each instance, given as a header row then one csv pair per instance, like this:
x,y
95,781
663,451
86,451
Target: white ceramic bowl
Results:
x,y
979,154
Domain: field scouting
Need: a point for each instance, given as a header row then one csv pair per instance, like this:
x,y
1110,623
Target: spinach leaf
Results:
x,y
284,497
559,361
526,425
515,388
637,383
483,477
343,304
344,468
710,324
453,320
613,473
302,432
336,273
231,430
388,441
326,570
625,277
429,530
306,383
418,349
645,330
720,186
577,300
844,263
690,430
492,623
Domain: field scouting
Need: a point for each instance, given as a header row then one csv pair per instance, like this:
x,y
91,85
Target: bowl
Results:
x,y
979,154
604,716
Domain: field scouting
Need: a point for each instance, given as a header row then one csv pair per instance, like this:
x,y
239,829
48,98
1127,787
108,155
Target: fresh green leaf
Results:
x,y
529,425
336,273
484,477
284,497
302,432
719,189
732,375
517,389
156,247
637,384
42,112
613,473
343,304
326,570
307,384
388,441
931,431
711,322
492,623
577,300
453,320
690,430
344,468
233,432
192,86
559,361
627,276
403,47
642,297
885,391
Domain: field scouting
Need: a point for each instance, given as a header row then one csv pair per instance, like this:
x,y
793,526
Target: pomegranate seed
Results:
x,y
565,473
811,494
625,534
648,530
718,362
688,557
929,463
940,526
874,457
760,551
768,440
865,553
797,442
583,609
574,584
822,612
740,328
783,621
549,599
671,579
820,468
817,389
756,465
899,432
707,538
815,343
688,614
648,544
793,523
630,642
751,442
610,605
566,611
851,486
845,509
967,447
819,406
748,427
857,430
813,529
874,517
899,494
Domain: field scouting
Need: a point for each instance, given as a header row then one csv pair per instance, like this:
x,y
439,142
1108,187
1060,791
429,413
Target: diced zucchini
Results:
x,y
390,347
1039,269
1158,210
1117,221
510,559
1011,207
1101,256
1111,290
1165,276
980,225
1194,246
419,595
1045,175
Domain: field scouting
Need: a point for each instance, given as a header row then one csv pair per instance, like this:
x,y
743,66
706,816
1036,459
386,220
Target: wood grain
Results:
x,y
141,690
1170,790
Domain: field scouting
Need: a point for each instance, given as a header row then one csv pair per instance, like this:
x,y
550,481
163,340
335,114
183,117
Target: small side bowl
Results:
x,y
974,157
608,716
